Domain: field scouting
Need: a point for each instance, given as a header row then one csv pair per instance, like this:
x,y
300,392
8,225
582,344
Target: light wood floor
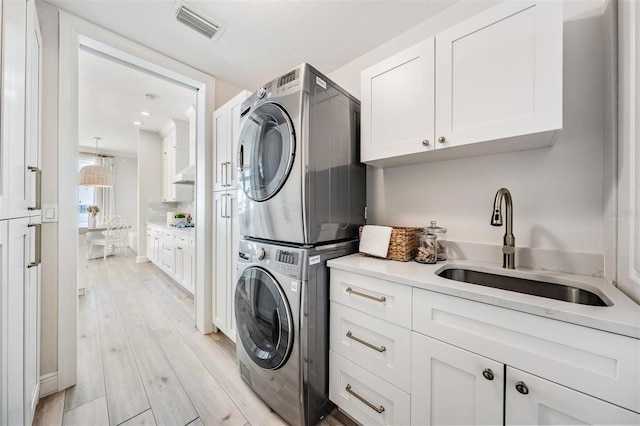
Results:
x,y
142,362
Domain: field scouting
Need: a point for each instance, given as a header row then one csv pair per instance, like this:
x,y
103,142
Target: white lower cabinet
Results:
x,y
19,241
532,400
364,396
457,361
451,386
172,250
226,237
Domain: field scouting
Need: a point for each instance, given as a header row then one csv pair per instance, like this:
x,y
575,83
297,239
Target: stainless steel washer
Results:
x,y
282,316
299,172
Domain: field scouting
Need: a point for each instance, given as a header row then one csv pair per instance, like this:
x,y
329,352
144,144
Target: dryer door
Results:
x,y
263,318
265,151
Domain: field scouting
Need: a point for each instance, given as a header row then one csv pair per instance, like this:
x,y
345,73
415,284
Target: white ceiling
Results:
x,y
262,40
112,96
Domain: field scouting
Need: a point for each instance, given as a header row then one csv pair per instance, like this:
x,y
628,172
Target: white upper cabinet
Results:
x,y
226,121
33,179
495,78
398,104
175,158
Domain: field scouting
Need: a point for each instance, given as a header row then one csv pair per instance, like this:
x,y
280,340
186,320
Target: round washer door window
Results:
x,y
266,148
263,318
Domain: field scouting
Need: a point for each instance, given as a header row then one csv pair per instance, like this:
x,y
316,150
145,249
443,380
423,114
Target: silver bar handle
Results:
x,y
378,410
38,173
359,340
229,206
226,173
38,254
381,299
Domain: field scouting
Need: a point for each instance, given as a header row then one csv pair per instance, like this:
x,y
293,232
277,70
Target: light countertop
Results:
x,y
165,226
623,317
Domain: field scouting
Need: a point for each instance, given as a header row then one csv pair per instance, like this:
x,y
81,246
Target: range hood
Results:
x,y
186,176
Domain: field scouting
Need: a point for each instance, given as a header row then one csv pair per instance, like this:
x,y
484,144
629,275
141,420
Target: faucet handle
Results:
x,y
508,249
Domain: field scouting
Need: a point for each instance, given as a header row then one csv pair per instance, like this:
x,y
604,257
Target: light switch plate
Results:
x,y
49,213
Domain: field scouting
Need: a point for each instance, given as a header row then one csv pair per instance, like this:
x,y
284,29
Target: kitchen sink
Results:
x,y
549,290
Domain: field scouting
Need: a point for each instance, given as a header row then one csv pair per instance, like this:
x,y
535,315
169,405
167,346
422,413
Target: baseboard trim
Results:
x,y
141,259
48,384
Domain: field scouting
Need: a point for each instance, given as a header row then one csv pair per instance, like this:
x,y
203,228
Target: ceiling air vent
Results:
x,y
197,21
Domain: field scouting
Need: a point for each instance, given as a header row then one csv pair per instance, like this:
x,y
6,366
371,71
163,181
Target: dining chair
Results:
x,y
114,237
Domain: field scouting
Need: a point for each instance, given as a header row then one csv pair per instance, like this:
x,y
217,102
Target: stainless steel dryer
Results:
x,y
282,317
298,158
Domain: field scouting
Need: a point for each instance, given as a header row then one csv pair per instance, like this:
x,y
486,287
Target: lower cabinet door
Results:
x,y
364,396
531,400
452,386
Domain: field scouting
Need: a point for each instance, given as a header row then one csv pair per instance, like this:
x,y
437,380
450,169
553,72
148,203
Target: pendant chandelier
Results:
x,y
94,175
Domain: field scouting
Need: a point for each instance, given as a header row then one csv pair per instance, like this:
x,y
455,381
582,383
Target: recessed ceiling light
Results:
x,y
137,123
145,113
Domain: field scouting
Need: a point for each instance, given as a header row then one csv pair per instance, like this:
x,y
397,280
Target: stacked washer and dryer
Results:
x,y
301,202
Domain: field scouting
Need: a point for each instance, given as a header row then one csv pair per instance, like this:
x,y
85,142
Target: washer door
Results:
x,y
263,318
265,151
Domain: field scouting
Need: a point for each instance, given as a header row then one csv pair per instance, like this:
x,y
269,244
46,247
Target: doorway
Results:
x,y
76,34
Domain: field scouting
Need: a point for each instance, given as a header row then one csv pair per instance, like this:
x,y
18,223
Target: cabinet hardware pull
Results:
x,y
374,347
38,200
226,173
378,410
442,139
38,248
488,374
522,388
425,142
222,174
368,296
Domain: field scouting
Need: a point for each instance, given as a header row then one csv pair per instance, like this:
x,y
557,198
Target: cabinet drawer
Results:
x,y
385,404
382,299
379,346
595,362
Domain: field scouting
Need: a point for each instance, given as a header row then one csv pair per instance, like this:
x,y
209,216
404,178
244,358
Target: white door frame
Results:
x,y
75,32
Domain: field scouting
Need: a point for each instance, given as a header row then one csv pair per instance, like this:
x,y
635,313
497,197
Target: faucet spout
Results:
x,y
508,243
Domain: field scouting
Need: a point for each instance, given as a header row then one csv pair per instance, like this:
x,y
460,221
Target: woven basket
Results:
x,y
403,243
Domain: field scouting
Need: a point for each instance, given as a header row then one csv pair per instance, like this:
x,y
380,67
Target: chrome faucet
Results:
x,y
509,241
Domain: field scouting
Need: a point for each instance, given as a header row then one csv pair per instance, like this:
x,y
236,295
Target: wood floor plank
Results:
x,y
50,410
126,396
90,384
142,419
225,370
169,401
93,413
197,422
212,403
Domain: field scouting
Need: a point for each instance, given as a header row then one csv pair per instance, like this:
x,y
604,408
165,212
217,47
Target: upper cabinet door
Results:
x,y
398,104
33,109
499,74
227,130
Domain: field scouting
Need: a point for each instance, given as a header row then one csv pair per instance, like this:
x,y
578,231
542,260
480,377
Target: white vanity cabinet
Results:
x,y
401,354
495,78
449,385
370,348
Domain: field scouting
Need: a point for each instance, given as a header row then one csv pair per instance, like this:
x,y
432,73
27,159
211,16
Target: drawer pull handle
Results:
x,y
368,296
378,410
374,347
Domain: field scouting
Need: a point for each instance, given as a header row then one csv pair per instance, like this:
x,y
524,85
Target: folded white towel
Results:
x,y
375,240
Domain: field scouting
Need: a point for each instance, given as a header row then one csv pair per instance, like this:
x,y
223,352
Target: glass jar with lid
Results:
x,y
441,234
427,247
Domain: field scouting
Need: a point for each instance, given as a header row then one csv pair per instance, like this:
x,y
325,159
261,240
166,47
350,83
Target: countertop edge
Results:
x,y
622,318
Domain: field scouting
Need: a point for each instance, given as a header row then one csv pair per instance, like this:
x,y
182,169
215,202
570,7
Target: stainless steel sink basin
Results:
x,y
549,290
